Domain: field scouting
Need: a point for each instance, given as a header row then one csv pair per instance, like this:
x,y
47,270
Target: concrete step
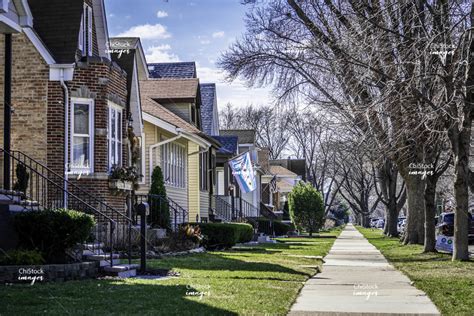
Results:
x,y
103,256
106,263
24,207
90,252
122,270
93,245
121,267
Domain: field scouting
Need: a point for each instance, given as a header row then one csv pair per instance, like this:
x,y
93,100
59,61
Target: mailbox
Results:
x,y
143,209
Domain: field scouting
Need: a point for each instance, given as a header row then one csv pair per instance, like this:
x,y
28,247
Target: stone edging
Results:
x,y
48,273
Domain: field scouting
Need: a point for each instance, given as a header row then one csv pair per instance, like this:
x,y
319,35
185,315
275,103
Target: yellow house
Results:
x,y
176,145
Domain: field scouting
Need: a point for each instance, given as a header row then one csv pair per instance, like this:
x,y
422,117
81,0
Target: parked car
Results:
x,y
401,224
380,223
445,225
373,221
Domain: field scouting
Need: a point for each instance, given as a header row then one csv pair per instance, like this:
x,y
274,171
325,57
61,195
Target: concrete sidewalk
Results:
x,y
357,280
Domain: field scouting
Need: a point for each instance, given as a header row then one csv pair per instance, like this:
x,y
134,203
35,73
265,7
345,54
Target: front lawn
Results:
x,y
257,280
450,285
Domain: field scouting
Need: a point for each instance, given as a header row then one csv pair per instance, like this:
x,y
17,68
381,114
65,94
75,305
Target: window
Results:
x,y
204,169
114,135
82,139
173,164
85,33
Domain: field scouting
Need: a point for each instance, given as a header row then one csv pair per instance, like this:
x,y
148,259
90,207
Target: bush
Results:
x,y
159,212
306,207
279,228
22,257
225,235
52,232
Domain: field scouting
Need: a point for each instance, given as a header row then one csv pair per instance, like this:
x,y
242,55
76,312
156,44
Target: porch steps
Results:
x,y
95,252
122,270
16,201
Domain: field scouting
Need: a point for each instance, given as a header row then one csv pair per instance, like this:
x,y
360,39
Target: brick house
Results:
x,y
72,109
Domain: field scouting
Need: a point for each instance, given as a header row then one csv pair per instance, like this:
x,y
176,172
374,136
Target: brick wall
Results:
x,y
102,79
29,97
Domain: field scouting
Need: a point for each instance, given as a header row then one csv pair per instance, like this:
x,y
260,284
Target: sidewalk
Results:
x,y
357,280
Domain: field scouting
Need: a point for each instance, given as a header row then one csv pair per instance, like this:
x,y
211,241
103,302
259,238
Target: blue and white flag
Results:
x,y
243,172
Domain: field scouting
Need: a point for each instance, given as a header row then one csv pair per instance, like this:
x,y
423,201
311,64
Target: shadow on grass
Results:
x,y
216,261
108,297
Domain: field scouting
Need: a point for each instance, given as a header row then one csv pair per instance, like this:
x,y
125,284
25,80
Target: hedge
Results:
x,y
225,235
279,228
52,232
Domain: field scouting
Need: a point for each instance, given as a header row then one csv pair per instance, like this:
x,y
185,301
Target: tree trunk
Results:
x,y
414,230
391,222
365,220
460,142
430,212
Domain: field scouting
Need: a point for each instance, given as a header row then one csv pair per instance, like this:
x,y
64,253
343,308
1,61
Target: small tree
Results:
x,y
159,208
306,207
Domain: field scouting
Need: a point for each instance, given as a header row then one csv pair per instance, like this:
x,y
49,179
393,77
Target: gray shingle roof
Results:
x,y
229,144
246,136
208,93
172,70
57,22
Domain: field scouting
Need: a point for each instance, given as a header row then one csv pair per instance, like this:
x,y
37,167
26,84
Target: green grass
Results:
x,y
450,285
261,280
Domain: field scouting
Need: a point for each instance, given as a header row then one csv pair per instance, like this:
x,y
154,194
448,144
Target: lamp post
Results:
x,y
7,111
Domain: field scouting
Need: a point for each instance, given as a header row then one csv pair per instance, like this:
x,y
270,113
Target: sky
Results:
x,y
188,30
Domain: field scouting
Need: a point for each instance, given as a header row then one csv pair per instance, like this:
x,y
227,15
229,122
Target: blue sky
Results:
x,y
187,30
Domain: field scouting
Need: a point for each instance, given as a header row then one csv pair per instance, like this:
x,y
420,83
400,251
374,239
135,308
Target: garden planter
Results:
x,y
121,185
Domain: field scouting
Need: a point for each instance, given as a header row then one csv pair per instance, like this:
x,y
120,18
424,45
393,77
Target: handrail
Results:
x,y
178,211
63,180
226,213
58,186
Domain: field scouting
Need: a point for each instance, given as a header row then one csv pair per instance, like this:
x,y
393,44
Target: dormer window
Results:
x,y
85,34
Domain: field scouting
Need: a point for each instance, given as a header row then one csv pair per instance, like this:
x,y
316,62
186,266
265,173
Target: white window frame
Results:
x,y
76,169
112,107
89,31
173,164
85,33
81,36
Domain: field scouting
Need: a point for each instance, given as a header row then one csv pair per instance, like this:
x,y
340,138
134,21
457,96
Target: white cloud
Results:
x,y
146,32
218,34
236,92
161,14
205,42
160,54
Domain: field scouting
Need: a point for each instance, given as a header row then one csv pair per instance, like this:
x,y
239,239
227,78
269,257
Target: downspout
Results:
x,y
66,135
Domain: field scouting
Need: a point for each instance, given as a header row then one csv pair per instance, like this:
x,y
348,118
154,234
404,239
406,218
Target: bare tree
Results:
x,y
269,124
374,62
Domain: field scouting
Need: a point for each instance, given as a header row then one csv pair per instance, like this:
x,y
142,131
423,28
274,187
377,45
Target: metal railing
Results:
x,y
246,209
158,203
52,191
221,208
